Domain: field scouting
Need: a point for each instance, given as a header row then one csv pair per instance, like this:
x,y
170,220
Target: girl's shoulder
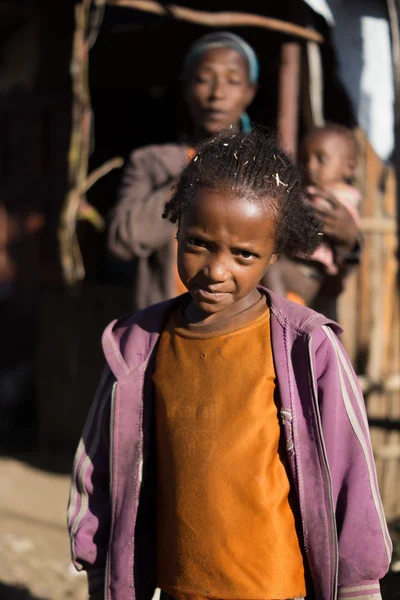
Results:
x,y
298,317
128,341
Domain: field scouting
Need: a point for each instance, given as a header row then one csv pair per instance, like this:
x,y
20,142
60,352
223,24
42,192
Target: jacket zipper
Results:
x,y
140,468
328,472
112,416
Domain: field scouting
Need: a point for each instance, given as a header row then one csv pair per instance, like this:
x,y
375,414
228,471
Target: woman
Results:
x,y
220,76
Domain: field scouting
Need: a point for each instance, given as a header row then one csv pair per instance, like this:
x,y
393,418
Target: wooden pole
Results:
x,y
394,20
288,99
315,85
217,19
75,205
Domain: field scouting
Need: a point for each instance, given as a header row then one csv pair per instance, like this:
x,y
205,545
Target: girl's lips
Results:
x,y
206,294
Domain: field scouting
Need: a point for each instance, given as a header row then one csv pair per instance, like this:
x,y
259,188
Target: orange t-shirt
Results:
x,y
295,298
226,529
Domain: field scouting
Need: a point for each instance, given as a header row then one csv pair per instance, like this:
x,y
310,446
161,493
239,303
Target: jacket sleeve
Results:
x,y
363,539
89,509
136,227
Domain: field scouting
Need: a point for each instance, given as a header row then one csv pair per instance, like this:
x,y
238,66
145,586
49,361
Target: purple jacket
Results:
x,y
111,514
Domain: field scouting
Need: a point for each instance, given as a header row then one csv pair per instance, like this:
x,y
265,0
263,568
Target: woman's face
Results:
x,y
219,91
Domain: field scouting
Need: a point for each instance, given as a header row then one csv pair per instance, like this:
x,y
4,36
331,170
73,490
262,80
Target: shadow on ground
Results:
x,y
45,459
10,592
390,586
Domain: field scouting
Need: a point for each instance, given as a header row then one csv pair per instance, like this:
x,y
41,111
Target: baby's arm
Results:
x,y
89,512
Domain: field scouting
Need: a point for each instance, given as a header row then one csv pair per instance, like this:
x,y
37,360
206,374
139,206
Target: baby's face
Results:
x,y
328,158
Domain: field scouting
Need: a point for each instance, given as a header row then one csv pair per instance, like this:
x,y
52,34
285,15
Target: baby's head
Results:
x,y
329,155
238,204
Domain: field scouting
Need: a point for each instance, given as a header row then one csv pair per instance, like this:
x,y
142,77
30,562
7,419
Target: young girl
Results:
x,y
227,452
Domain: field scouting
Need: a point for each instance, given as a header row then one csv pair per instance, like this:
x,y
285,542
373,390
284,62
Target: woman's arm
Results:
x,y
137,228
339,225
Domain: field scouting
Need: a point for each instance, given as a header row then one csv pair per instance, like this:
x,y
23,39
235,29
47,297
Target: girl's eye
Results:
x,y
245,254
194,242
321,158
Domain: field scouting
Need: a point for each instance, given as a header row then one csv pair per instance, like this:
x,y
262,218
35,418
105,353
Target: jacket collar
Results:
x,y
129,342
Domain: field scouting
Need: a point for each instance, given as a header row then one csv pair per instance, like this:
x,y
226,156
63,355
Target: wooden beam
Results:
x,y
288,99
314,86
391,383
218,19
109,165
378,225
393,11
394,20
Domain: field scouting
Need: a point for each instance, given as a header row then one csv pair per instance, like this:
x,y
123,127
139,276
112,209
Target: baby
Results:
x,y
329,156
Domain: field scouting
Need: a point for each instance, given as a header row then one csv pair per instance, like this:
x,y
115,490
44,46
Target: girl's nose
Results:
x,y
216,269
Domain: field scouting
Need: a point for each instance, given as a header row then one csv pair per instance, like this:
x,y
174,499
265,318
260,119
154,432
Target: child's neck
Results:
x,y
239,315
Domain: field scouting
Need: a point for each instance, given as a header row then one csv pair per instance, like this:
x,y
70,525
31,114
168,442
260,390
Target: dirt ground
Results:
x,y
34,547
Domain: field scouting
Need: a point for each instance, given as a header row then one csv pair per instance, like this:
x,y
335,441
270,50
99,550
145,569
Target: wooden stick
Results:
x,y
219,19
78,157
378,225
315,84
395,33
109,165
75,205
288,100
390,384
87,212
389,451
376,369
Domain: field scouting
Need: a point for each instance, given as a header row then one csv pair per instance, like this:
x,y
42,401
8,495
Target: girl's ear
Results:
x,y
274,258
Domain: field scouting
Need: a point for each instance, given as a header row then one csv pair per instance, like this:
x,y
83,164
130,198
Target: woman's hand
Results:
x,y
337,223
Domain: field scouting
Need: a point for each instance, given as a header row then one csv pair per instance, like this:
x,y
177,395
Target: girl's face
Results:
x,y
219,91
225,245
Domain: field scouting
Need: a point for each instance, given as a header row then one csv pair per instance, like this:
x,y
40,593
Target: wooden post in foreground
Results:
x,y
288,99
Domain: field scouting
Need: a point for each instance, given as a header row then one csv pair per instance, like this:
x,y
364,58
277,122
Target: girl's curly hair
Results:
x,y
252,166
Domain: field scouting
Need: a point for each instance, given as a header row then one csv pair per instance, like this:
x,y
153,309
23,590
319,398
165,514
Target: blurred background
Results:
x,y
84,83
